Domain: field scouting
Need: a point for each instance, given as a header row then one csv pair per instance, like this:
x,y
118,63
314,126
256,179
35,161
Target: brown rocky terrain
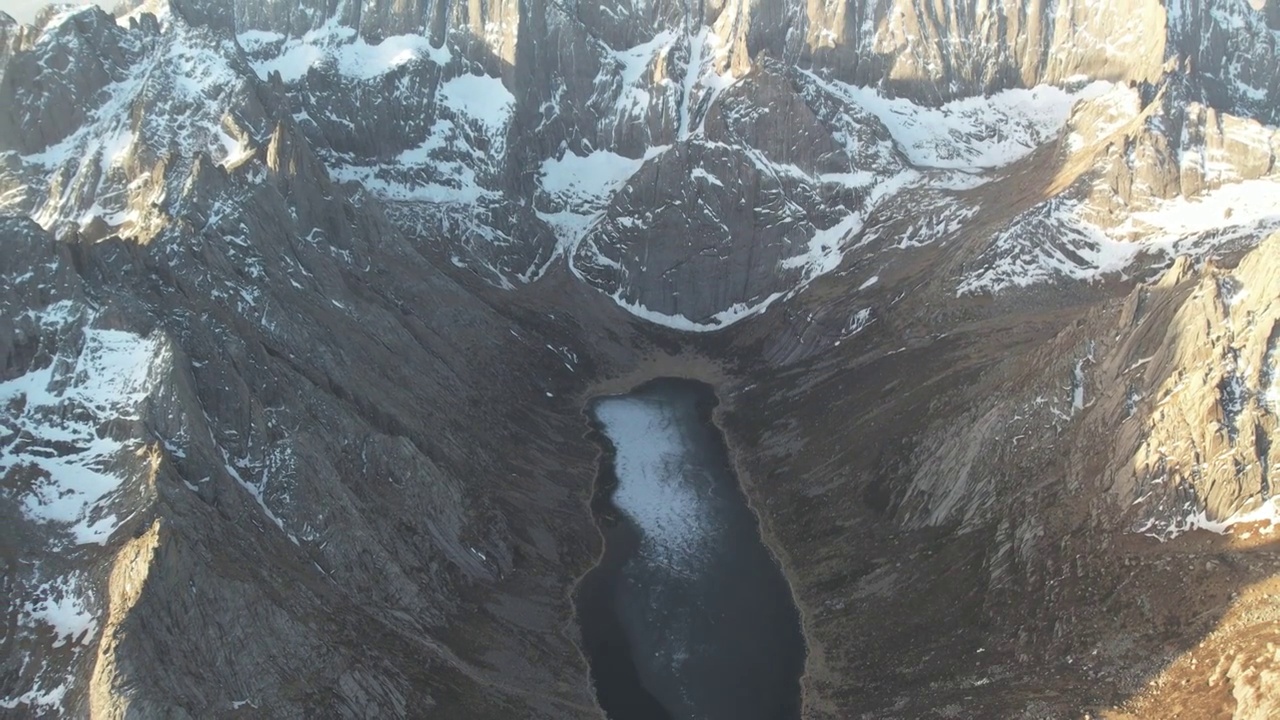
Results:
x,y
302,303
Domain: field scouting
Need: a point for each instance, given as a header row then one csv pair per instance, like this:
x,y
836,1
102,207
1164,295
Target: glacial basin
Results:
x,y
687,615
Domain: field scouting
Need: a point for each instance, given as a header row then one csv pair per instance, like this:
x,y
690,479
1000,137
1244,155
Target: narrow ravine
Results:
x,y
686,615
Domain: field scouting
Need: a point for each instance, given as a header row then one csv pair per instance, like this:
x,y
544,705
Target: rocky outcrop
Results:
x,y
1230,53
740,203
47,89
14,38
1205,454
252,468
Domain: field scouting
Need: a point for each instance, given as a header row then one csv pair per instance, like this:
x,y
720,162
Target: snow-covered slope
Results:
x,y
166,92
510,139
77,463
513,137
683,137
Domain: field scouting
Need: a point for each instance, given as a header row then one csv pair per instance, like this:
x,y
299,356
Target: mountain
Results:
x,y
302,302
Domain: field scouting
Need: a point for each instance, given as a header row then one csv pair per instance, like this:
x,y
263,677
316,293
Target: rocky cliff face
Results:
x,y
1082,491
244,446
301,299
455,116
464,120
241,421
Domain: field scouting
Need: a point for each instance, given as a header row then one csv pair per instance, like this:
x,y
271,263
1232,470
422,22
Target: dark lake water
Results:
x,y
687,615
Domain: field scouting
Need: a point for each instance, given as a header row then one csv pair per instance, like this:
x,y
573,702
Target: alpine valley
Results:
x,y
302,303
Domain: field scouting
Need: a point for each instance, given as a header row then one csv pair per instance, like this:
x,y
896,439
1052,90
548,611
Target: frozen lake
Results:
x,y
687,615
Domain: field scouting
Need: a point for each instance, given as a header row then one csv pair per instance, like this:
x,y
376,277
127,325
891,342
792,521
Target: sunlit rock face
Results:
x,y
705,133
462,120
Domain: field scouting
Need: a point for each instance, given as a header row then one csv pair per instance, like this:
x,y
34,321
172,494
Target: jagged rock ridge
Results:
x,y
463,123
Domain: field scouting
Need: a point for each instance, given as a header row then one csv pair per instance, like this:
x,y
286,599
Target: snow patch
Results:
x,y
1266,514
578,188
1055,240
858,322
718,321
972,133
61,607
707,177
37,697
1077,387
73,462
823,254
827,248
701,81
363,61
442,169
629,66
592,177
483,99
340,47
1252,202
279,464
633,76
59,19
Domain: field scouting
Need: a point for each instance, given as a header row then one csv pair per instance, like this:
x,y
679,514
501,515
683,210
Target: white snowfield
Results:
x,y
1242,212
339,47
975,133
65,406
